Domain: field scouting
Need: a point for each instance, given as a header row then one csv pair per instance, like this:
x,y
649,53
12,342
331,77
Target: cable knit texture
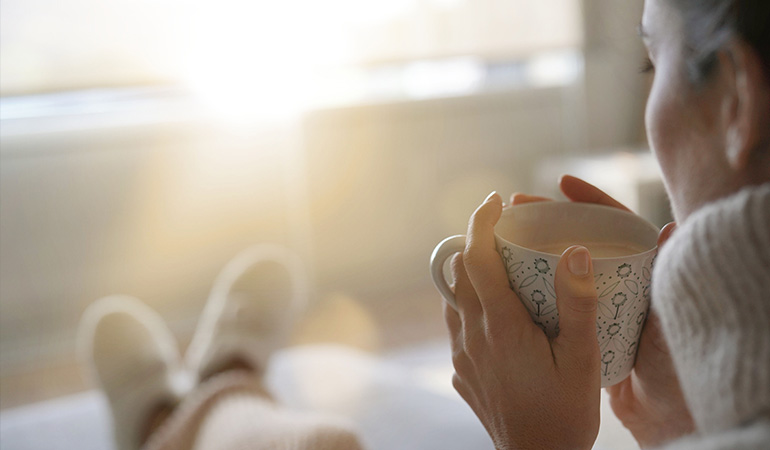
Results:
x,y
711,289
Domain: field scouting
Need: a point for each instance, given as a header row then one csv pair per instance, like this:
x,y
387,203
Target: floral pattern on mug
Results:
x,y
624,295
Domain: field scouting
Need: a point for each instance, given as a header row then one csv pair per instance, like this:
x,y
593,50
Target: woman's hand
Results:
x,y
528,391
649,402
576,190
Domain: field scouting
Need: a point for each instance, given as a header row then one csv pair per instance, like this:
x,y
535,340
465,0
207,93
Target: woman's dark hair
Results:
x,y
710,24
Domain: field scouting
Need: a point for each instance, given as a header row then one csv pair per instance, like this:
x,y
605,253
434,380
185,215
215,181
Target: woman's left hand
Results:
x,y
528,391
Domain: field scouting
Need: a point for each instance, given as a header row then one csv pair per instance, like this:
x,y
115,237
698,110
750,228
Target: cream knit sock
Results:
x,y
132,356
250,311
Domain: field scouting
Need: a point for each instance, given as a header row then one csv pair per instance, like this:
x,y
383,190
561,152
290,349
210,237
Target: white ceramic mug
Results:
x,y
530,239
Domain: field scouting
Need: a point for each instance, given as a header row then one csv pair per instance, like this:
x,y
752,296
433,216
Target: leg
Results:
x,y
248,316
132,356
250,312
246,422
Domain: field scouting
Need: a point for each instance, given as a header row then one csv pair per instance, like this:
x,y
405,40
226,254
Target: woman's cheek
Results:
x,y
658,120
664,133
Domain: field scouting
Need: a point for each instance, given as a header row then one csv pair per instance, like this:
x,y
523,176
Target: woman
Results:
x,y
708,123
707,382
704,383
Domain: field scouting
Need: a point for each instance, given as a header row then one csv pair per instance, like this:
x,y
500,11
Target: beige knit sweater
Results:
x,y
712,291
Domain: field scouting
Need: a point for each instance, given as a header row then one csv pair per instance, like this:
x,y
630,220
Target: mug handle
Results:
x,y
441,253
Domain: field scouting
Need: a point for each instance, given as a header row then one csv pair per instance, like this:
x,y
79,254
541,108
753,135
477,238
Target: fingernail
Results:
x,y
490,196
579,261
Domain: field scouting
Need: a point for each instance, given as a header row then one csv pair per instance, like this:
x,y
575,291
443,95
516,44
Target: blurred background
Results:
x,y
144,143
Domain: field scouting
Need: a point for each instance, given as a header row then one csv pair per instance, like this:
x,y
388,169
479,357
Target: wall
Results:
x,y
386,183
154,211
615,91
149,211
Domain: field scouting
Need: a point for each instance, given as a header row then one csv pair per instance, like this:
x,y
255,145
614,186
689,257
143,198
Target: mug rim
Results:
x,y
583,205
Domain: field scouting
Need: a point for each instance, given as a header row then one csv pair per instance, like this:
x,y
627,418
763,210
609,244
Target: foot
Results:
x,y
250,312
131,354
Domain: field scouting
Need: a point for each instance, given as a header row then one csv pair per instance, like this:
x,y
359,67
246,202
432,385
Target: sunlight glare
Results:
x,y
260,59
453,76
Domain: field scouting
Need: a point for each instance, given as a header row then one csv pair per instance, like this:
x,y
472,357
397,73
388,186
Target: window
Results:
x,y
255,49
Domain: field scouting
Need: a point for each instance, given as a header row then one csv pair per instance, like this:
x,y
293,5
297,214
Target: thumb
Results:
x,y
577,304
666,233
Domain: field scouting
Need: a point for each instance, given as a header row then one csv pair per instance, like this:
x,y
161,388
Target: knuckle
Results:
x,y
495,340
457,384
460,360
451,319
456,380
502,333
472,338
588,363
472,257
495,333
583,305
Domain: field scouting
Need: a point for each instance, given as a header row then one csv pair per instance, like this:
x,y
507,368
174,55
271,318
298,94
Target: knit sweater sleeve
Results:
x,y
755,436
711,289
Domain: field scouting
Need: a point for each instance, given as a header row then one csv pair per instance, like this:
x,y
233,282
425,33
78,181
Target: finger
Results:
x,y
517,198
665,233
460,359
459,385
577,304
652,335
621,396
468,395
467,301
485,268
578,190
454,325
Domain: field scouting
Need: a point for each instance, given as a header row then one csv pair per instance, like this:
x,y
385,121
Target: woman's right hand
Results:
x,y
649,402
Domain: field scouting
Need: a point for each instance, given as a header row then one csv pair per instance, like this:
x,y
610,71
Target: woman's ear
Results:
x,y
747,110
